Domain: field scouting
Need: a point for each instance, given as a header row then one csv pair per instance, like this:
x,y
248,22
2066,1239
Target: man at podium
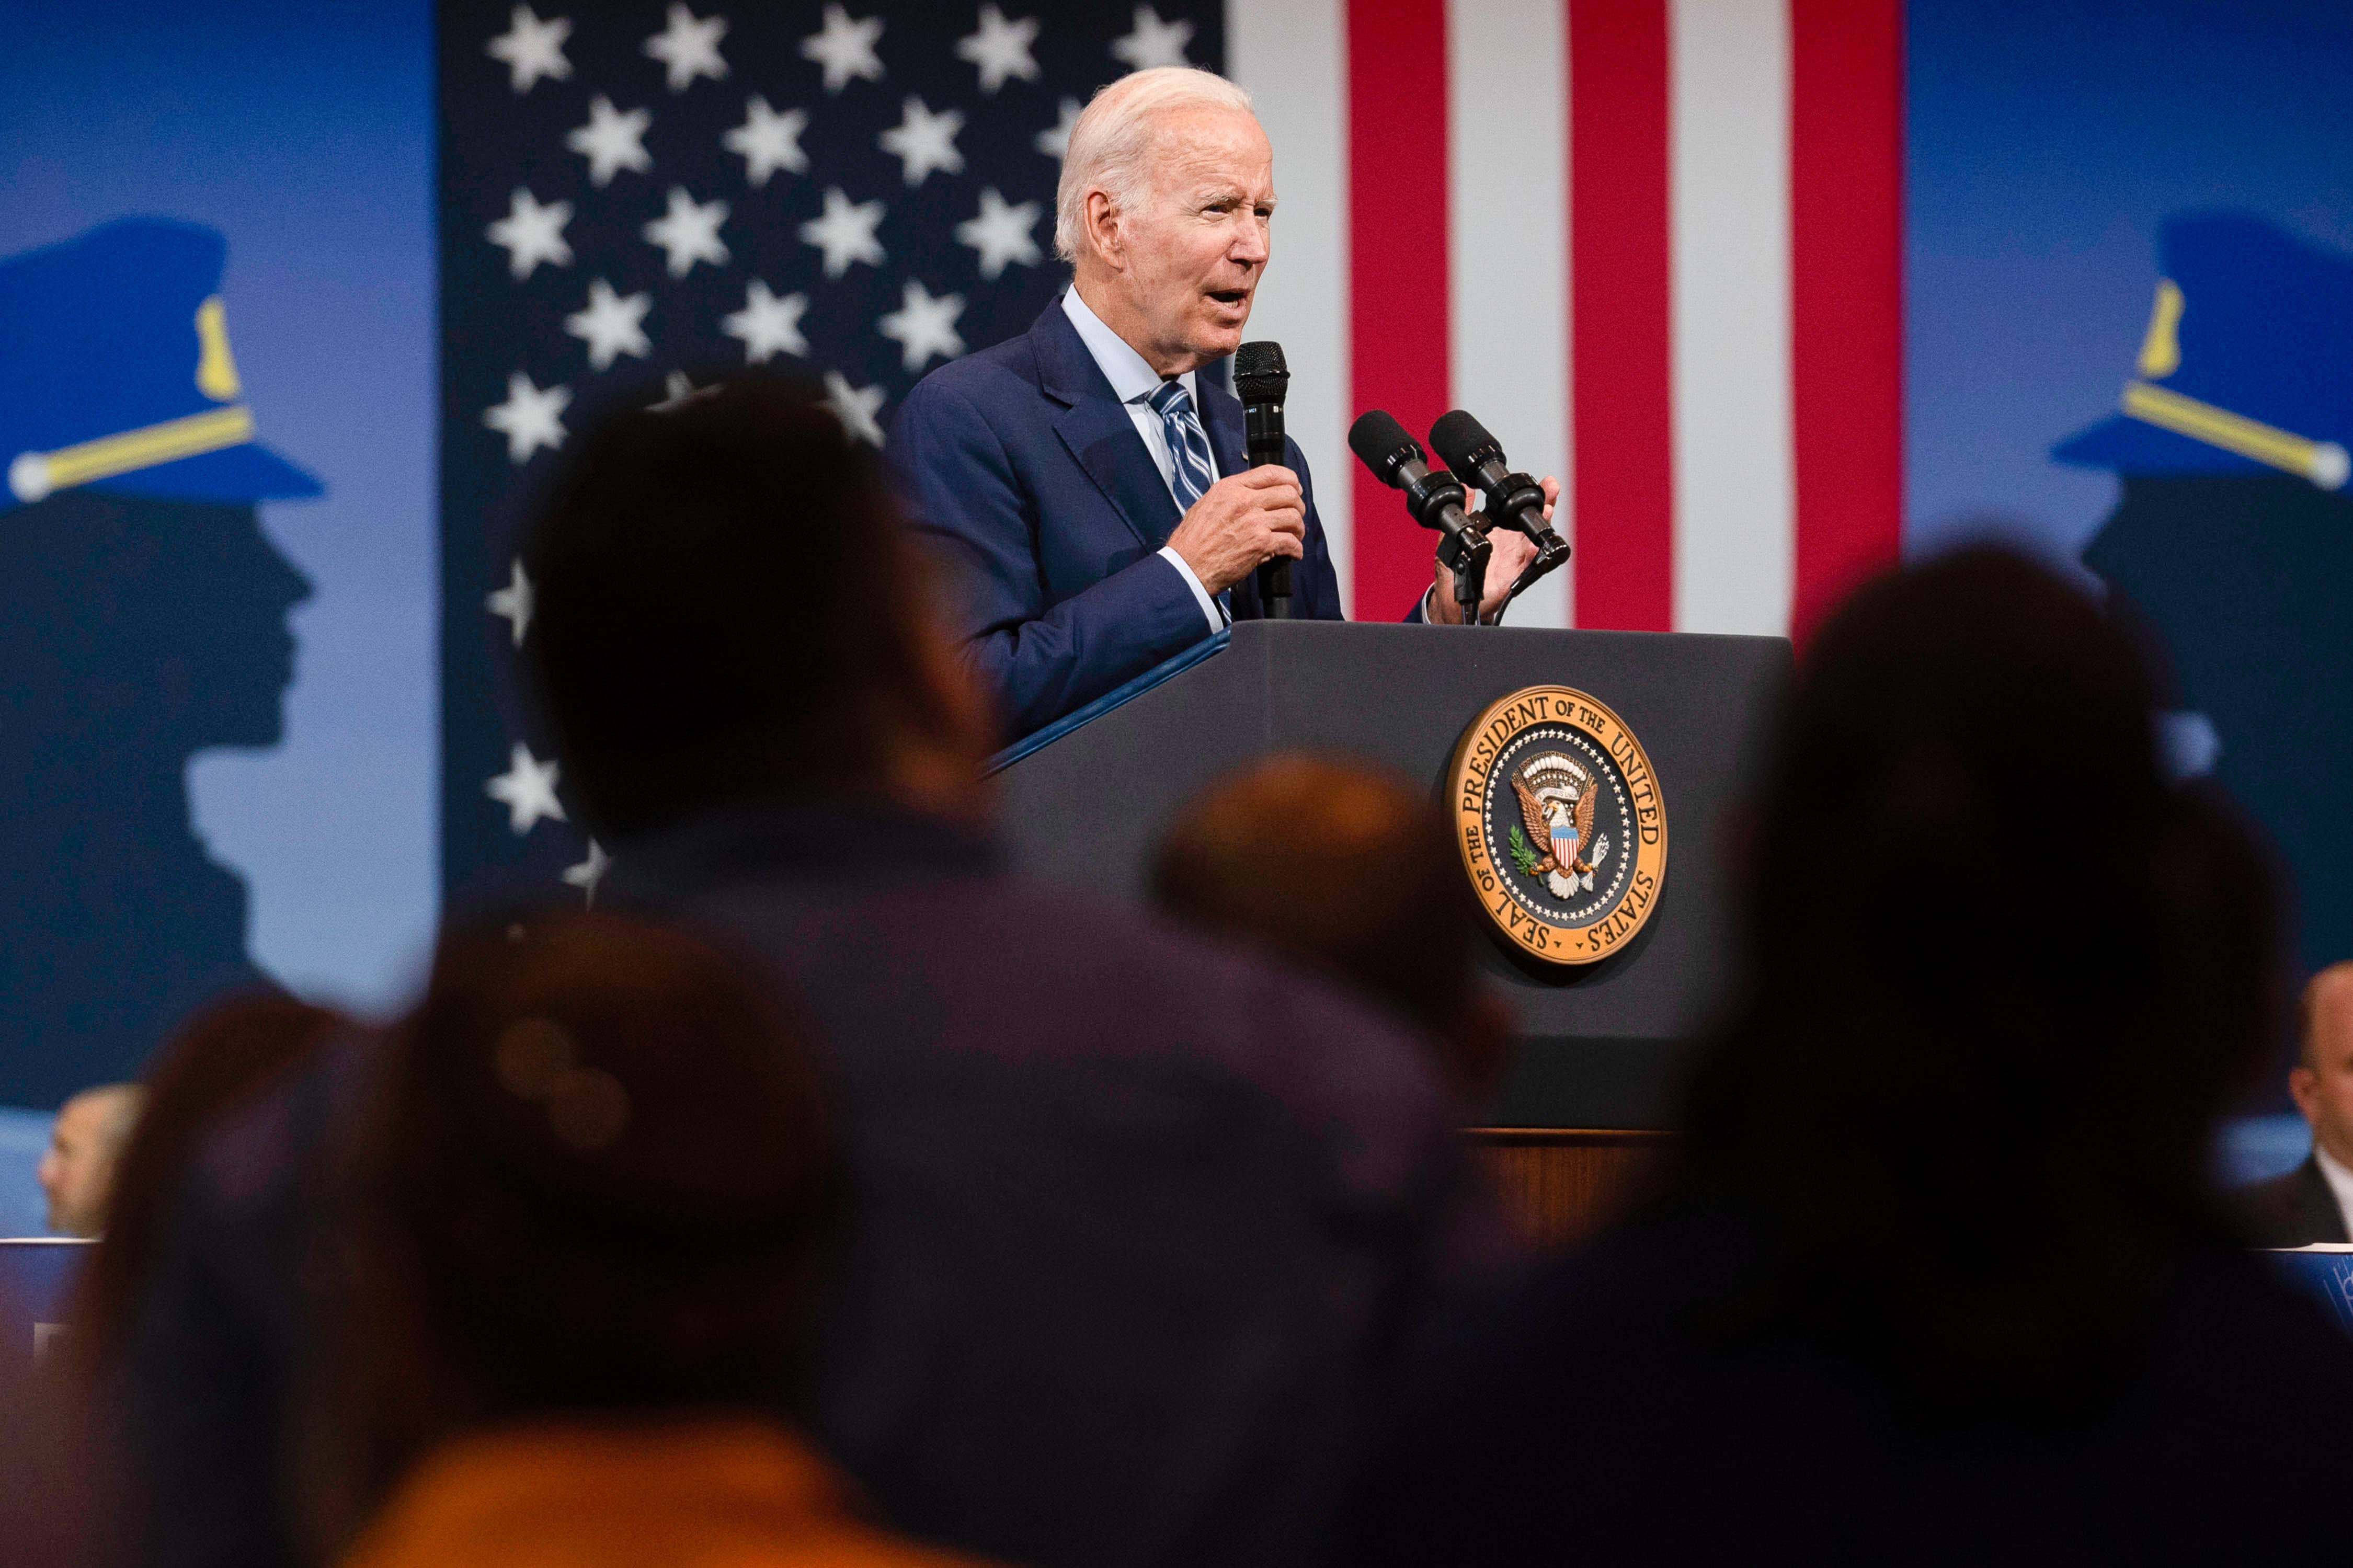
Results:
x,y
1086,483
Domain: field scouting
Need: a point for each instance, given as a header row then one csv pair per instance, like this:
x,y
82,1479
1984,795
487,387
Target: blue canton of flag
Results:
x,y
631,193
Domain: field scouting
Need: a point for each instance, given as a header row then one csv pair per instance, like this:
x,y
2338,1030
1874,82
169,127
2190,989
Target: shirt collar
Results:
x,y
1132,378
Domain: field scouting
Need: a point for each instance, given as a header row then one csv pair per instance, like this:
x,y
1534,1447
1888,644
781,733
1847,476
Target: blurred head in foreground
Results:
x,y
77,1170
2322,1081
2000,983
594,1185
729,611
1349,869
218,1061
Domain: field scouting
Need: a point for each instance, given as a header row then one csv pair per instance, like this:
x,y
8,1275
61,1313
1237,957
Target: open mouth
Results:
x,y
1230,296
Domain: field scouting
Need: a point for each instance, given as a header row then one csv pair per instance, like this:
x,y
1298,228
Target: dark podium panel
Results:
x,y
1596,1043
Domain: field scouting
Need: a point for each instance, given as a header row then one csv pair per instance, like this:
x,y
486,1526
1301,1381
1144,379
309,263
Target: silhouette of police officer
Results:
x,y
142,619
2233,538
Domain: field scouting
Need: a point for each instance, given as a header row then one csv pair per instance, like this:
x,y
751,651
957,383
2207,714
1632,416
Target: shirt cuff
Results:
x,y
1209,610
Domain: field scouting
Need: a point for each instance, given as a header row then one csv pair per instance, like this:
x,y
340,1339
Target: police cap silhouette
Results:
x,y
115,373
2247,364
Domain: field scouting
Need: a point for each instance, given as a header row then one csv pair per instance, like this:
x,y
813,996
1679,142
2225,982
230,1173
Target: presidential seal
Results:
x,y
1560,823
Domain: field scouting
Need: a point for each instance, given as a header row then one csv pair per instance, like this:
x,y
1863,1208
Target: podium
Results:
x,y
1596,1046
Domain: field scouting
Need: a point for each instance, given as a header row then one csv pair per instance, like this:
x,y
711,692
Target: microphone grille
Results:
x,y
1455,436
1378,440
1259,373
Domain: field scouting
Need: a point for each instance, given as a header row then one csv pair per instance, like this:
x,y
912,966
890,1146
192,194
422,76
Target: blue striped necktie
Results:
x,y
1190,471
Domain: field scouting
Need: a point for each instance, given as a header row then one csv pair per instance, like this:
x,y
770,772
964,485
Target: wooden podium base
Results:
x,y
1560,1184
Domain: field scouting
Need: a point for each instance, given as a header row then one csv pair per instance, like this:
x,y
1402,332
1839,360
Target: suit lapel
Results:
x,y
2322,1217
1223,418
1098,431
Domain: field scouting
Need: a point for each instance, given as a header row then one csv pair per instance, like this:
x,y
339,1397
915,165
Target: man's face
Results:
x,y
75,1169
2323,1084
1195,249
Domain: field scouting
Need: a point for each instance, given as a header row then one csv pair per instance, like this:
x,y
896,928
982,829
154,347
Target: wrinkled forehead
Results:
x,y
1202,147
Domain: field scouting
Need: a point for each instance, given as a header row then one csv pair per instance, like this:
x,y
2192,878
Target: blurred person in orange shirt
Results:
x,y
591,1205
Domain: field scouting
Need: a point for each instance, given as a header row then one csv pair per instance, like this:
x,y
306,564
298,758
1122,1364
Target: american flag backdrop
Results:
x,y
1654,245
633,190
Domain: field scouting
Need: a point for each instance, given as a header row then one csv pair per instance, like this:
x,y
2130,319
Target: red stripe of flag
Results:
x,y
1398,270
1846,287
1619,239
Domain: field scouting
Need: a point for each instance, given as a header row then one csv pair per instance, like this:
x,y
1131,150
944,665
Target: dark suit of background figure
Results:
x,y
2293,1210
1027,473
1137,1222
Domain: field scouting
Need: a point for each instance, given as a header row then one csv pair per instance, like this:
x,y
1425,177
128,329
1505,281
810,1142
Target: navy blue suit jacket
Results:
x,y
1027,472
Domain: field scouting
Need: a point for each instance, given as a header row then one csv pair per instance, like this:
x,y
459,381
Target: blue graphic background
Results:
x,y
2046,143
308,144
2046,146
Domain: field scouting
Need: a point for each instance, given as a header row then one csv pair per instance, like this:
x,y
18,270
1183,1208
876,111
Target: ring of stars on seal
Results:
x,y
1560,822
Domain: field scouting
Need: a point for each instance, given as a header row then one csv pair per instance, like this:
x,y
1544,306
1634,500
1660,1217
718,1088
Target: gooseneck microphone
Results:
x,y
1433,497
1260,379
1513,500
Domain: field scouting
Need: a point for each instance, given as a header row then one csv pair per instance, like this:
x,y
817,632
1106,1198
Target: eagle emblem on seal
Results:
x,y
1559,849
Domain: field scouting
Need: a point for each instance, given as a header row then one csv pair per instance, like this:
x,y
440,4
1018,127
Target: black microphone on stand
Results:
x,y
1260,379
1513,500
1433,497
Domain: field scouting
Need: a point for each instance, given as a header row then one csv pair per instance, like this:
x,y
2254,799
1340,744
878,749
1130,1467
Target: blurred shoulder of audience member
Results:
x,y
1940,1221
1348,869
2314,1202
591,1201
77,1170
214,1063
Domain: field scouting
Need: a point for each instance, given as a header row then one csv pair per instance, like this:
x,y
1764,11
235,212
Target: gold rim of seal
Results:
x,y
1468,794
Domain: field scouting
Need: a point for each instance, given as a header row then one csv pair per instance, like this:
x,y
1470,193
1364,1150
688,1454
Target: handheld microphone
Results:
x,y
1512,499
1432,498
1260,379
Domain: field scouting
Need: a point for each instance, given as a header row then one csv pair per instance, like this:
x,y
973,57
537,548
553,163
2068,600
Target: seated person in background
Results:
x,y
1139,1221
1934,1275
2314,1201
76,1170
220,1058
1346,867
591,1199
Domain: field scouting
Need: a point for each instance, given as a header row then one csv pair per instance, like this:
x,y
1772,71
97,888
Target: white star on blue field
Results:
x,y
639,197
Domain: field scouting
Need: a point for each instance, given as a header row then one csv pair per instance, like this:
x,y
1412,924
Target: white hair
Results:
x,y
1111,143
